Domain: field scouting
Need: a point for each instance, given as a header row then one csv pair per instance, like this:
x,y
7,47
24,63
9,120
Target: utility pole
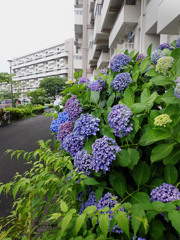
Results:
x,y
10,67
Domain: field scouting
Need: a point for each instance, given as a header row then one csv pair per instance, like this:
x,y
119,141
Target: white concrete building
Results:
x,y
30,69
110,26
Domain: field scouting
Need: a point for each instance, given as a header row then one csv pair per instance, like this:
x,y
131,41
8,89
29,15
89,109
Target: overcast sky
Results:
x,y
30,25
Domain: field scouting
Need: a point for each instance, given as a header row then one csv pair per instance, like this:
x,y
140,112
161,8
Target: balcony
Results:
x,y
103,60
126,22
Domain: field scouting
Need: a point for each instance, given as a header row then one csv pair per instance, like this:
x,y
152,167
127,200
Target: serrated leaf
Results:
x,y
151,72
174,217
170,174
90,209
158,206
157,229
129,97
94,221
141,173
95,97
136,216
64,206
123,158
123,221
140,197
169,98
134,156
104,223
98,193
118,182
90,181
149,50
137,107
79,222
161,151
145,95
110,100
144,64
173,158
65,222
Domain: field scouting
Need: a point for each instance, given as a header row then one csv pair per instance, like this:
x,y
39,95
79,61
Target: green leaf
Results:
x,y
135,73
106,113
161,151
65,223
94,221
176,53
118,182
90,181
110,100
136,218
137,107
170,174
149,50
79,222
64,206
144,64
97,113
157,229
104,223
151,72
134,156
158,206
123,221
141,173
140,197
95,97
90,209
173,157
98,193
129,97
169,98
174,217
15,189
161,80
145,95
123,158
107,131
88,147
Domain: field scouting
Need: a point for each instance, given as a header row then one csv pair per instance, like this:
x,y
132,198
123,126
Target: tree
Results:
x,y
53,85
5,77
37,96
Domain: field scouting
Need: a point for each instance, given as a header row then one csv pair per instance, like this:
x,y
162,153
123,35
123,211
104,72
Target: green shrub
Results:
x,y
38,109
15,113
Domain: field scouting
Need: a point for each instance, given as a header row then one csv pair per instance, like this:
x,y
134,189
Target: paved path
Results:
x,y
21,135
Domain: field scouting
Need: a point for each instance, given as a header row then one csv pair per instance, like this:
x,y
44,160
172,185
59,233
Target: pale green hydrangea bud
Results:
x,y
164,64
162,120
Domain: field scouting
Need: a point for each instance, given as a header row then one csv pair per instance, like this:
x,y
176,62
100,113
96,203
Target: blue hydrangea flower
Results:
x,y
177,88
72,143
54,125
90,201
64,129
177,45
140,57
165,46
83,162
165,193
119,61
104,152
98,85
138,238
86,125
83,80
72,108
156,55
119,119
104,71
121,80
63,117
164,64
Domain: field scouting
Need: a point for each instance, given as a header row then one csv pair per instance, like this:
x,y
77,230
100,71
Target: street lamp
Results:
x,y
10,67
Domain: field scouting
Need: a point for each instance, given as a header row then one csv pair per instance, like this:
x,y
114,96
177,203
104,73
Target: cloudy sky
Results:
x,y
30,25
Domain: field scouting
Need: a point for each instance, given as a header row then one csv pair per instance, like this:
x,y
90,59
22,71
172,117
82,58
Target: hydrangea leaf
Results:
x,y
161,151
149,50
138,107
123,221
170,174
176,53
90,181
151,72
160,80
65,223
169,98
136,216
145,95
98,193
104,223
129,97
140,197
174,217
134,156
157,229
110,100
123,158
173,157
64,206
79,222
95,97
118,182
144,65
141,173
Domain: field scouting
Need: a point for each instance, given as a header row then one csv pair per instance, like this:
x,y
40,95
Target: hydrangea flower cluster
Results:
x,y
90,201
54,125
72,143
165,46
72,108
64,129
86,125
119,120
119,61
63,117
165,193
83,161
108,201
83,80
104,71
138,238
162,120
97,85
104,152
177,88
177,45
164,64
140,57
156,55
121,80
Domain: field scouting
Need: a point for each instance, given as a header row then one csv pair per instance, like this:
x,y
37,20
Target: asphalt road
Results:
x,y
20,135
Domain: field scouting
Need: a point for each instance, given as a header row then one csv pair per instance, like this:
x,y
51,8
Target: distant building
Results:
x,y
105,27
30,69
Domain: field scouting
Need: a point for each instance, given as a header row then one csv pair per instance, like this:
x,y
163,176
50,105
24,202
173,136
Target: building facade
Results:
x,y
30,69
110,26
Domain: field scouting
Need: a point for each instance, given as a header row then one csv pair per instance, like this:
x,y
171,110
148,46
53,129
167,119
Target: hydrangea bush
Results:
x,y
123,151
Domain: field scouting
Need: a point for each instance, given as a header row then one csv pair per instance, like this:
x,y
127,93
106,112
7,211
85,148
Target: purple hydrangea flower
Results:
x,y
83,161
97,85
86,125
119,120
165,193
165,46
64,129
83,80
177,43
63,117
72,108
138,238
104,71
156,55
72,143
54,125
177,88
118,62
90,201
121,80
140,57
104,152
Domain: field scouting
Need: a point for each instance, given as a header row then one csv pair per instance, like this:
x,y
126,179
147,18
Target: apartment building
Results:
x,y
30,69
110,26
